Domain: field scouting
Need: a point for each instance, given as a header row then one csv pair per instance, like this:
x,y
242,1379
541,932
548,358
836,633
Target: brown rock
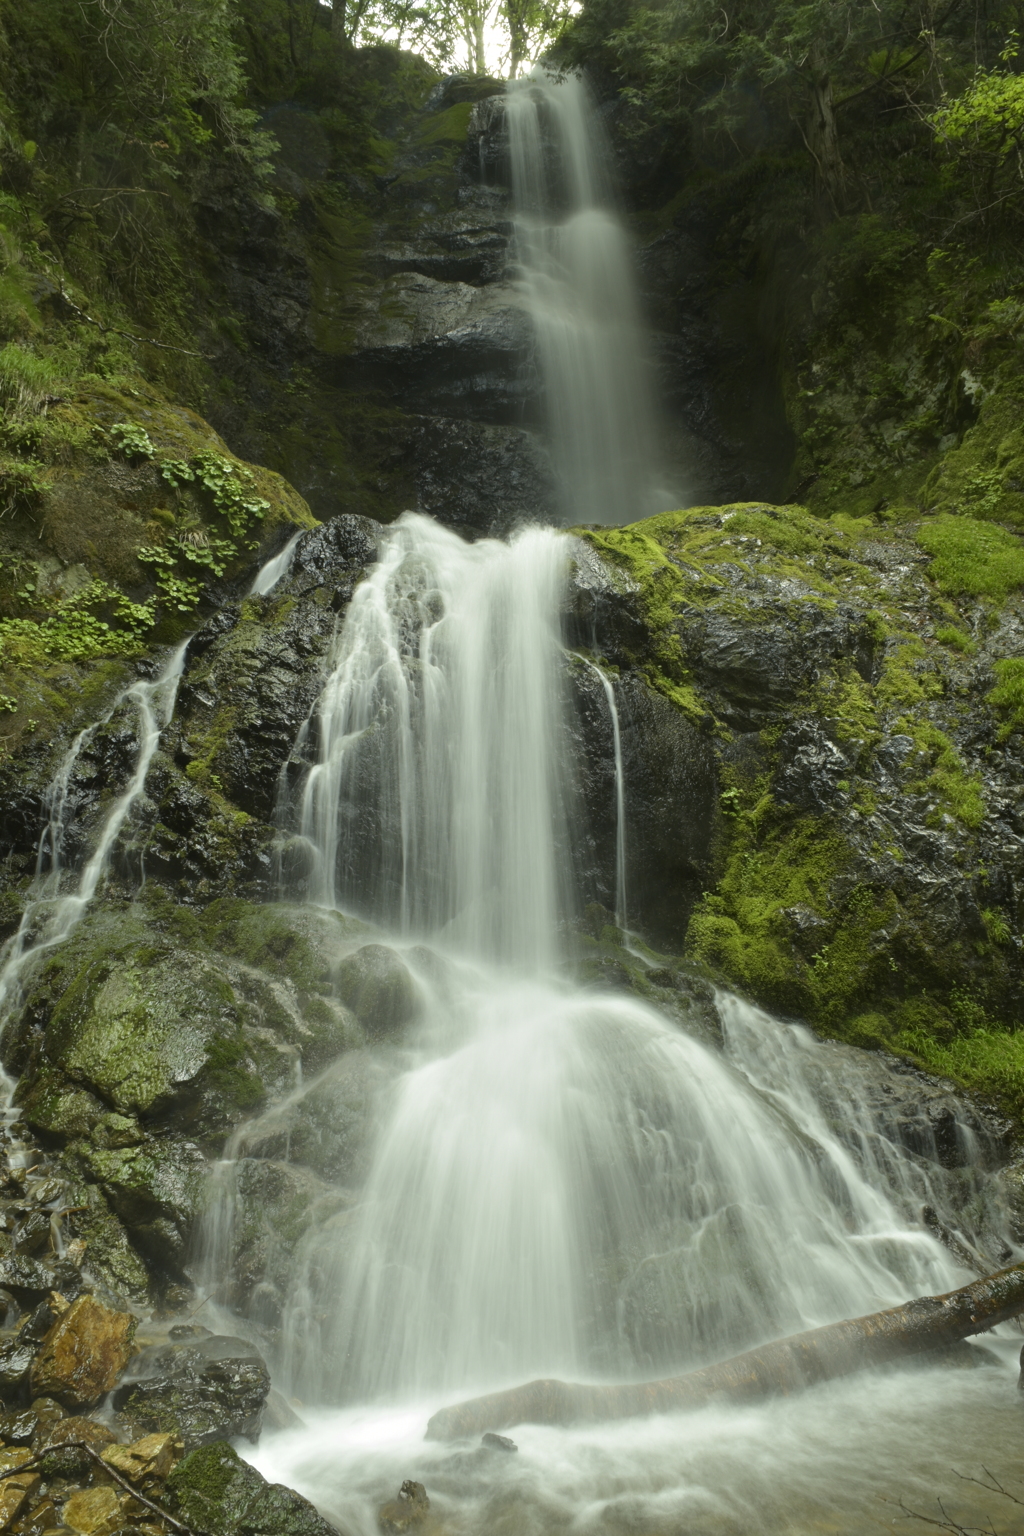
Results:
x,y
84,1353
406,1512
146,1461
41,1517
14,1494
95,1512
11,1460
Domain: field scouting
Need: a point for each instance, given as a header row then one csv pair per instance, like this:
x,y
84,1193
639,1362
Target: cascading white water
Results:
x,y
579,289
52,913
437,804
565,1181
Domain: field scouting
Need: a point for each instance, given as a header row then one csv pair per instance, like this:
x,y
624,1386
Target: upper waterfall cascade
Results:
x,y
578,285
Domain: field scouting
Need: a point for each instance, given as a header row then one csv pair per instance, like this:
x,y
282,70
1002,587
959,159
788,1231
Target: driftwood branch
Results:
x,y
787,1365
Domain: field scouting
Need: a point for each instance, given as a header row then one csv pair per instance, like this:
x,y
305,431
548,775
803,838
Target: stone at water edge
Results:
x,y
215,1493
406,1512
201,1390
83,1354
497,1442
146,1461
62,1446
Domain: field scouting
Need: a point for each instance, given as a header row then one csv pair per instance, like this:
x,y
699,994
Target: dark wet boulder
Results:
x,y
216,1493
201,1389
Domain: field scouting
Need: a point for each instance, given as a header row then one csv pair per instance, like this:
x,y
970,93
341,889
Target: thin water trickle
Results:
x,y
579,289
276,568
51,913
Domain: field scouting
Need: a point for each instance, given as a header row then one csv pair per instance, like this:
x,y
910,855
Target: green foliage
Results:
x,y
132,440
970,557
27,380
982,131
98,620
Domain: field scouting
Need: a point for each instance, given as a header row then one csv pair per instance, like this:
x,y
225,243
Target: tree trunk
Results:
x,y
338,29
787,1365
822,136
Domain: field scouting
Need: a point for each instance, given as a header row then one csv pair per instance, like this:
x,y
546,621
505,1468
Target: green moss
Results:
x,y
448,127
974,558
743,930
909,677
948,634
961,792
983,475
1008,694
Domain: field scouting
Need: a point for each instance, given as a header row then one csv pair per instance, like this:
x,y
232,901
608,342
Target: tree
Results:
x,y
746,69
982,131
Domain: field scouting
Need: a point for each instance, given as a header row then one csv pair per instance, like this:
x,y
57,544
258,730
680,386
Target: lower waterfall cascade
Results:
x,y
564,1181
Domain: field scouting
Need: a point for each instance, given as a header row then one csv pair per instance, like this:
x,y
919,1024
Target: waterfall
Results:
x,y
51,913
565,1181
437,804
576,277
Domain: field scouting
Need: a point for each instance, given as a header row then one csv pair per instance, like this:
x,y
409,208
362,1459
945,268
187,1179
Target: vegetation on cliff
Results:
x,y
856,681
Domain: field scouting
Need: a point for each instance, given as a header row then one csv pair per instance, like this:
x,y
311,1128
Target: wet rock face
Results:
x,y
83,1354
201,1389
671,790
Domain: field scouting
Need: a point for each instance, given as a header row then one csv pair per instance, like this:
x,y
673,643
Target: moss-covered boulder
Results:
x,y
218,1494
378,987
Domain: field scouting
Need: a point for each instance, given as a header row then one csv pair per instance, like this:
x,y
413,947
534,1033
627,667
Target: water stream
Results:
x,y
52,911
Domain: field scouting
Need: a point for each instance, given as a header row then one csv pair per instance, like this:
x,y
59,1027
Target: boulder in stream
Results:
x,y
218,1494
200,1389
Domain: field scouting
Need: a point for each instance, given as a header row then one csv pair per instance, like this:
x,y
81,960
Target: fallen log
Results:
x,y
787,1365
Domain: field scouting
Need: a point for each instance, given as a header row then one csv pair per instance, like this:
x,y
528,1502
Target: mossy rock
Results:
x,y
860,868
218,1494
378,987
983,475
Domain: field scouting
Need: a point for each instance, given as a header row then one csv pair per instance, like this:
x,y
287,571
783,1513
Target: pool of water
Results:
x,y
854,1457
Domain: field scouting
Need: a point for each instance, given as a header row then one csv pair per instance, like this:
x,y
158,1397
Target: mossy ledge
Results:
x,y
852,674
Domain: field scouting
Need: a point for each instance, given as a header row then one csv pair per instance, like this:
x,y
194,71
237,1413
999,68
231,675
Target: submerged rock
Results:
x,y
406,1512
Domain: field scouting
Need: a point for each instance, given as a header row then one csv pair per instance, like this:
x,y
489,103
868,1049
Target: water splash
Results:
x,y
579,289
